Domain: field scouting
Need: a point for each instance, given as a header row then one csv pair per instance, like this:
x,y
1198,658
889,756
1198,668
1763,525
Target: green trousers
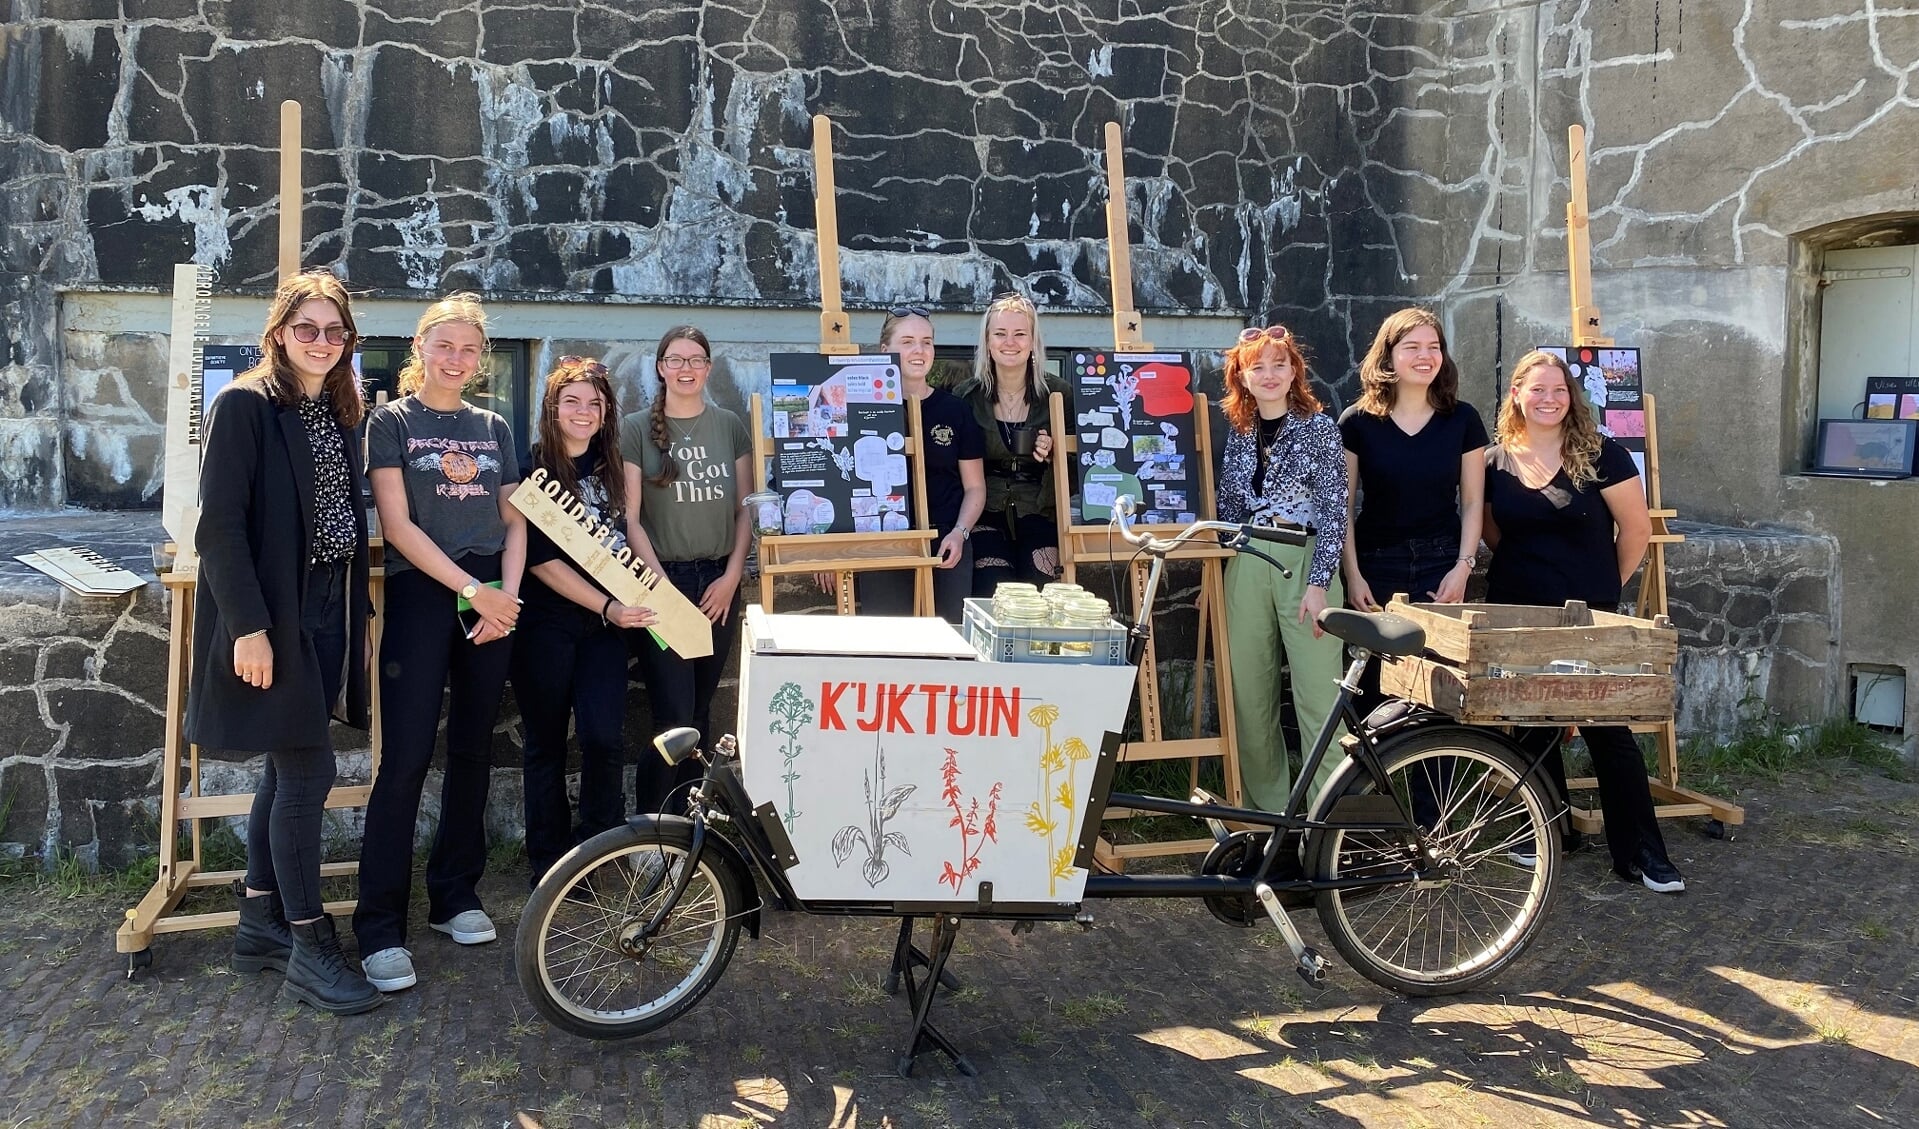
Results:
x,y
1264,634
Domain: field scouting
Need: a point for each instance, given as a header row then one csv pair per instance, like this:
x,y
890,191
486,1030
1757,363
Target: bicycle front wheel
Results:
x,y
579,952
1459,929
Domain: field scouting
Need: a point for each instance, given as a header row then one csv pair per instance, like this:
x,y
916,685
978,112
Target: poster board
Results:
x,y
911,780
838,426
1614,386
1134,420
1892,397
192,320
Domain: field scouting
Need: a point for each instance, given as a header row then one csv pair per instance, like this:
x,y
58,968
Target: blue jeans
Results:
x,y
680,690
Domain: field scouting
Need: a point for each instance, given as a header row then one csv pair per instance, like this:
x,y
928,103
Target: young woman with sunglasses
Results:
x,y
686,460
1283,467
1565,514
1016,538
455,550
955,475
280,621
569,663
1416,454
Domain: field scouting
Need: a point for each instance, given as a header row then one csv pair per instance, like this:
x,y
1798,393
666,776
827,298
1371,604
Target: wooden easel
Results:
x,y
1095,544
1672,800
843,554
155,912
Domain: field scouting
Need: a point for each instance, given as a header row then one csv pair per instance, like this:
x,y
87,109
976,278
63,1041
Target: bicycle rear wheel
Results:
x,y
578,952
1460,930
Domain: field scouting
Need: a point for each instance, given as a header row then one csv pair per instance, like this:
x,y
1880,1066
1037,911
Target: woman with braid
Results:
x,y
686,458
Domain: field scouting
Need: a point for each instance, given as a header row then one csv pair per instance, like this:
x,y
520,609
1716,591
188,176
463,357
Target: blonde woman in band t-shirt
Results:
x,y
686,459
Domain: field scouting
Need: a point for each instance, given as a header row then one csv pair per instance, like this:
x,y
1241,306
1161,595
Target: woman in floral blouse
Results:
x,y
1284,467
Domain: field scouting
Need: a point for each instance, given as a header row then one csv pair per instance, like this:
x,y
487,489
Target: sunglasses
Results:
x,y
306,333
1273,332
909,312
588,364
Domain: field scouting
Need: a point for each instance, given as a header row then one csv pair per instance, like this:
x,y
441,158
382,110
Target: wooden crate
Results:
x,y
1486,664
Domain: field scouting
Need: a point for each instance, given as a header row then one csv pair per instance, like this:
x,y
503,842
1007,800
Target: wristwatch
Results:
x,y
471,590
1471,561
965,531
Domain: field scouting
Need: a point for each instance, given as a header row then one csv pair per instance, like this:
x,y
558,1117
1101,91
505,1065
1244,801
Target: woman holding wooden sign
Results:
x,y
686,458
570,661
280,620
954,446
1017,537
455,549
1566,516
1283,467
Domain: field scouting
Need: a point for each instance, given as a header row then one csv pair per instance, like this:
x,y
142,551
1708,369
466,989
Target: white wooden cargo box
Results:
x,y
905,771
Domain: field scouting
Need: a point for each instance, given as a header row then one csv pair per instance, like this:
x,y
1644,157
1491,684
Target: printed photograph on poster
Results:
x,y
838,425
221,363
1613,386
1892,397
1134,416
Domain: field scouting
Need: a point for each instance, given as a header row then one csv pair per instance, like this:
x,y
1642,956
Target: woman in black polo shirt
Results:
x,y
1566,517
954,448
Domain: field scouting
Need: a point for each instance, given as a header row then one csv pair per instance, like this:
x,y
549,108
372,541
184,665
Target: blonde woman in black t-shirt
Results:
x,y
1566,517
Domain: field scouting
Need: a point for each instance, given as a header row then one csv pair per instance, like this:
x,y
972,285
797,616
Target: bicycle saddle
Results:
x,y
1380,633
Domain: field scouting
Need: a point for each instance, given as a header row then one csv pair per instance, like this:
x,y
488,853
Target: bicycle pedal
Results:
x,y
1311,967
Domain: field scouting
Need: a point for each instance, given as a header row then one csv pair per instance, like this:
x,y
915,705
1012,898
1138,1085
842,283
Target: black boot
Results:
x,y
263,940
319,974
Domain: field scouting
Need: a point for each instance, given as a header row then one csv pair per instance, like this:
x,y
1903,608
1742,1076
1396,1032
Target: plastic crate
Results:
x,y
997,642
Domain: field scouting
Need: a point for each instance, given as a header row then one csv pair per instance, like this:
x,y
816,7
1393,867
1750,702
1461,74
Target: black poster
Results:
x,y
1133,413
1611,380
1892,397
838,425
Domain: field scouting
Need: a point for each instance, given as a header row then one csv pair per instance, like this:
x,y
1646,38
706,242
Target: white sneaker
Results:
x,y
471,927
389,970
1525,859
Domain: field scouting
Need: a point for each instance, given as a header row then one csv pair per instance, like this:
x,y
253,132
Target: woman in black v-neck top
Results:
x,y
1566,516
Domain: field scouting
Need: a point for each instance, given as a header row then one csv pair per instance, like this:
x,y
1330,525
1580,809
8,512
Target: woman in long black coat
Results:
x,y
281,619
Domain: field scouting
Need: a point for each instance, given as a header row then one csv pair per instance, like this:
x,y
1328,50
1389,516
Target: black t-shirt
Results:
x,y
951,435
1556,542
540,548
1408,484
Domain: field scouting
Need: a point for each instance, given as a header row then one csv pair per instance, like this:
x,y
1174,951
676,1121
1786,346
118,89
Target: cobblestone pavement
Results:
x,y
1780,991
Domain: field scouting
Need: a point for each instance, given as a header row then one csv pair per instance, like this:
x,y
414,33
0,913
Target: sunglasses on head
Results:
x,y
909,312
1273,332
307,333
591,366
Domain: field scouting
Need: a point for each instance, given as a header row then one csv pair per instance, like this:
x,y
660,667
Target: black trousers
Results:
x,y
1414,567
283,829
569,665
1024,547
891,593
1624,798
422,649
681,690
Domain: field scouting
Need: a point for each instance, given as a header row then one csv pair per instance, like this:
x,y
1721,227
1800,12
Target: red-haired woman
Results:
x,y
570,661
1283,467
1566,517
280,620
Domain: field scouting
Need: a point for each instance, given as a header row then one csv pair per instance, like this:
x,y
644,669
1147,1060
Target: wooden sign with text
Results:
x,y
559,515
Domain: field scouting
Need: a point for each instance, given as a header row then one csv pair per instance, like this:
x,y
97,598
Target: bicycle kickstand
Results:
x,y
923,1036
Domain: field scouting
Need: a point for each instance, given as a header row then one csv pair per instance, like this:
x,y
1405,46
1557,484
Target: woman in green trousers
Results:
x,y
1285,467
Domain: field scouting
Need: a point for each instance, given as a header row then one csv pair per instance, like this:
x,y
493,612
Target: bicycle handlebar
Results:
x,y
1123,508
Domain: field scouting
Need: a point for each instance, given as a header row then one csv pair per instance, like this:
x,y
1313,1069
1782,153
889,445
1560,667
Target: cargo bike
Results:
x,y
1430,856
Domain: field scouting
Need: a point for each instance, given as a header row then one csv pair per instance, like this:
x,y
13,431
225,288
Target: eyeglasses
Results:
x,y
909,312
1274,332
586,364
693,364
307,333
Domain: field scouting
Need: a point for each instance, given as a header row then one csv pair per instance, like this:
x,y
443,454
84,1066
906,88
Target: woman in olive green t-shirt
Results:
x,y
686,459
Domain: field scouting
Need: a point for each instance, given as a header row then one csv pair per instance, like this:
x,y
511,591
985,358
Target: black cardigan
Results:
x,y
255,540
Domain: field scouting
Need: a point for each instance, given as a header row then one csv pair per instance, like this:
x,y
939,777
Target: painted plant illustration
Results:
x,y
976,828
874,838
792,711
1053,812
